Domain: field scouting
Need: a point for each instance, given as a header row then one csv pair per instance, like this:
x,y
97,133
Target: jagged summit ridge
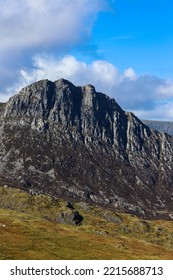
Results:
x,y
44,103
76,143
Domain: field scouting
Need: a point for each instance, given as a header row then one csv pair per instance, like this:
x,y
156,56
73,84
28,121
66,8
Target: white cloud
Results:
x,y
130,73
147,96
143,95
102,74
162,112
165,90
28,27
138,94
30,23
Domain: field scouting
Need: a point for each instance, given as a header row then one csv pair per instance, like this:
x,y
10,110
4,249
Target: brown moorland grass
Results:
x,y
28,231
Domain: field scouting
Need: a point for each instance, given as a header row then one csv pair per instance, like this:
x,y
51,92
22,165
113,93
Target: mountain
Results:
x,y
80,145
161,126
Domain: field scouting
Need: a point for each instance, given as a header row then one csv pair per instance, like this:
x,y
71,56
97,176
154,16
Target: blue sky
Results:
x,y
123,47
138,34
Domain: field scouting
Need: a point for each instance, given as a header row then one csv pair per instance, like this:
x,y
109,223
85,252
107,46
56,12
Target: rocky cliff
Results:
x,y
78,144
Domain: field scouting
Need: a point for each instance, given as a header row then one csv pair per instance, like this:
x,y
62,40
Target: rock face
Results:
x,y
75,143
70,217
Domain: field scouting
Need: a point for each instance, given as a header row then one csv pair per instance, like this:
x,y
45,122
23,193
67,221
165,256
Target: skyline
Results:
x,y
122,47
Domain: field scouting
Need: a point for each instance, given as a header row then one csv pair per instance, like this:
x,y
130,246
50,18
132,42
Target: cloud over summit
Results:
x,y
145,95
29,27
38,39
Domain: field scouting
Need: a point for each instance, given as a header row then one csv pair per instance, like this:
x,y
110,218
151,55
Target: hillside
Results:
x,y
33,227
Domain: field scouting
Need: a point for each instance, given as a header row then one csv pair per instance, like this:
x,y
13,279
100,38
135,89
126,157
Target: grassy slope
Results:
x,y
28,231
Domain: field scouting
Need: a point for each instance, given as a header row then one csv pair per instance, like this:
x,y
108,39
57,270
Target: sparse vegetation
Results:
x,y
29,230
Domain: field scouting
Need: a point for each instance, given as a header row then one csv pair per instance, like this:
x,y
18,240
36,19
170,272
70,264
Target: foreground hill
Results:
x,y
79,145
42,227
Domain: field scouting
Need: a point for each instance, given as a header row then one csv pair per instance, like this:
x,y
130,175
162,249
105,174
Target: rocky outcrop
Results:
x,y
69,217
78,144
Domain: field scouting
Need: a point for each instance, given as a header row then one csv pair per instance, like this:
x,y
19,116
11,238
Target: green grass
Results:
x,y
28,231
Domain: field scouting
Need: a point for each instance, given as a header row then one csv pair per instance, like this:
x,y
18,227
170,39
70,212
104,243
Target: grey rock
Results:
x,y
84,206
112,217
69,217
75,143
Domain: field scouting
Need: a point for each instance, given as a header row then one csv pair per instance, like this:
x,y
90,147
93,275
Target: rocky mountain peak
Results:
x,y
89,89
73,142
